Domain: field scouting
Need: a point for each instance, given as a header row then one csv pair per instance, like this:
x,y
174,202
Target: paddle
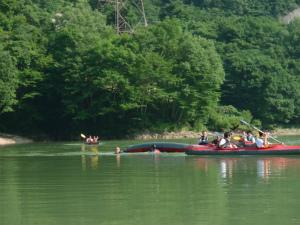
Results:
x,y
259,130
95,150
82,135
219,135
234,128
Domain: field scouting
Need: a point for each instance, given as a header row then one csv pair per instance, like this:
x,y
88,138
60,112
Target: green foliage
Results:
x,y
8,82
198,65
249,7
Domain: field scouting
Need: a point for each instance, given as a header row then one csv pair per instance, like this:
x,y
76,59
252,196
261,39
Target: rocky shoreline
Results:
x,y
7,139
191,134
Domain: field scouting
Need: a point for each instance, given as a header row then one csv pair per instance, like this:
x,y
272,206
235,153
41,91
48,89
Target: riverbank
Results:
x,y
7,139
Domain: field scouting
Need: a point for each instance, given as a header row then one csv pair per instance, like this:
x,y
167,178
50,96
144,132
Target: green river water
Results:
x,y
65,183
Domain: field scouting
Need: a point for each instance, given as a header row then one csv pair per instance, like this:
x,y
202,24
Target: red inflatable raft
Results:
x,y
274,150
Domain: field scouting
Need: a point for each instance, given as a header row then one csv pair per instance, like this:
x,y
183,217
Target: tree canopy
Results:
x,y
197,65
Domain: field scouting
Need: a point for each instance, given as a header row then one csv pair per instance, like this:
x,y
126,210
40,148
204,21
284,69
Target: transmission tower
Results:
x,y
123,22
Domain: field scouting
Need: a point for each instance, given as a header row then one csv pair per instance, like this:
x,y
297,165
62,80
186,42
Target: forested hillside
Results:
x,y
198,65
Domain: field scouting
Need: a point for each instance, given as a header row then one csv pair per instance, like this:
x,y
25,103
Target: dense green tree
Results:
x,y
64,70
8,81
259,83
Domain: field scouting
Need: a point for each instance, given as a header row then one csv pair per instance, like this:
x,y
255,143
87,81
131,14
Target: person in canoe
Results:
x,y
95,139
225,142
243,137
215,142
250,137
89,139
203,139
261,141
154,149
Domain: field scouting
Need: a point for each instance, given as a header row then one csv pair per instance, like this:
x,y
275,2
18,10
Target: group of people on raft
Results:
x,y
92,140
246,140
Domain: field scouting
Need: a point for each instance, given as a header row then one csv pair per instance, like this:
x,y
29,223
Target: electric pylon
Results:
x,y
124,21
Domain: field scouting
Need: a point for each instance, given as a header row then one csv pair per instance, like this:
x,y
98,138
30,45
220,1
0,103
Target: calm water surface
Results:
x,y
66,183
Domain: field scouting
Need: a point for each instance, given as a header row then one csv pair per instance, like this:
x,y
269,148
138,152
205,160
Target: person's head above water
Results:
x,y
118,150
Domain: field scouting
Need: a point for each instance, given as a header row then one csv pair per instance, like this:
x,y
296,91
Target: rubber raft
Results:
x,y
162,146
92,143
196,149
274,150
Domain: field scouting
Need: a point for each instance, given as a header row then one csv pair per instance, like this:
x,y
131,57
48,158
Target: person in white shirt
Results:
x,y
262,142
225,142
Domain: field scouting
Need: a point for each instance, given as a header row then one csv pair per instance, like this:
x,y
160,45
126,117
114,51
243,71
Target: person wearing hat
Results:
x,y
154,149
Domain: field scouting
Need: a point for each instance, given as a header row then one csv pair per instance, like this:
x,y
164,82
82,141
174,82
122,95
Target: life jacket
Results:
x,y
205,139
243,138
228,144
156,151
250,138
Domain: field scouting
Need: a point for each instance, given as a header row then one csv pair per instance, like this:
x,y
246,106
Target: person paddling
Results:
x,y
96,139
89,139
225,142
261,141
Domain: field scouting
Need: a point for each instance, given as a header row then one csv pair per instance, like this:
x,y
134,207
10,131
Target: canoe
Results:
x,y
162,146
92,143
275,150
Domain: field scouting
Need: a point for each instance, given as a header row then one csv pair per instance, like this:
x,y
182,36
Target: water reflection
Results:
x,y
91,160
264,168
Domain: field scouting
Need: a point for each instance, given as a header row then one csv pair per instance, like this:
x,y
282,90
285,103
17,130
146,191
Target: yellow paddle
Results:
x,y
82,135
95,150
236,138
